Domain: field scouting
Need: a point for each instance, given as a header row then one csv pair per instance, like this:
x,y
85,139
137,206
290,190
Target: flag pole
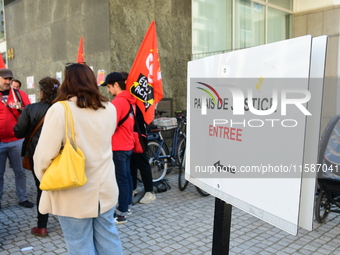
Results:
x,y
222,226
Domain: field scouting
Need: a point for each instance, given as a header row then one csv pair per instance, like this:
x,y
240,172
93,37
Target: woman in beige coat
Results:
x,y
85,213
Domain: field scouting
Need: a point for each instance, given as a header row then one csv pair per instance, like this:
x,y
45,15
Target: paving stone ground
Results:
x,y
176,223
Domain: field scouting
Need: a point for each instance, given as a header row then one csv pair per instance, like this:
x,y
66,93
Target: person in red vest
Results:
x,y
12,101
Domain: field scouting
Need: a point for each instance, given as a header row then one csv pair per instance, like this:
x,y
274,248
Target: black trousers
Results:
x,y
141,161
42,218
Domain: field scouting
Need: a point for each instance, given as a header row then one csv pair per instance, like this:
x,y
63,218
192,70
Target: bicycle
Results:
x,y
182,182
161,158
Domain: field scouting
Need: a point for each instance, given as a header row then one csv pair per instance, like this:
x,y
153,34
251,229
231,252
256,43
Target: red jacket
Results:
x,y
122,139
7,119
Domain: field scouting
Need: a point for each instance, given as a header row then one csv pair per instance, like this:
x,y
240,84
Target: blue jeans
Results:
x,y
91,236
12,150
124,180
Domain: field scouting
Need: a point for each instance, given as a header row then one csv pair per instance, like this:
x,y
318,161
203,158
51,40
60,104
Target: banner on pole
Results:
x,y
145,80
81,57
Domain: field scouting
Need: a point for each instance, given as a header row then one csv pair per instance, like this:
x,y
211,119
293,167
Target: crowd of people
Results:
x,y
103,131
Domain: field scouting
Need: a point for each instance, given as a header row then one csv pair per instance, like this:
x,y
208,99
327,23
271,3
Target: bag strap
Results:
x,y
125,118
34,131
136,127
136,124
17,93
68,116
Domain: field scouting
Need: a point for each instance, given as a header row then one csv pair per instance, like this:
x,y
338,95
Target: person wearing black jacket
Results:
x,y
29,119
141,161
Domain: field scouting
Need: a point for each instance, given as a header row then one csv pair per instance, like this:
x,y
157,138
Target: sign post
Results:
x,y
222,226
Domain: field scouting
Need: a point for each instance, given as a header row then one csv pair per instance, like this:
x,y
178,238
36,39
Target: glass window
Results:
x,y
212,25
279,25
288,4
224,25
249,24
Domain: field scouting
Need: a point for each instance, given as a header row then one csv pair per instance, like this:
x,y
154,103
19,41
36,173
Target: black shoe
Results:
x,y
120,219
26,204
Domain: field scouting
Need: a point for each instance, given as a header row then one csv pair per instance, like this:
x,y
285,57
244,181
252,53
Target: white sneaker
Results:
x,y
148,197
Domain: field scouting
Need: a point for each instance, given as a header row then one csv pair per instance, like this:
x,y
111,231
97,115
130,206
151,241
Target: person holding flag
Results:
x,y
145,83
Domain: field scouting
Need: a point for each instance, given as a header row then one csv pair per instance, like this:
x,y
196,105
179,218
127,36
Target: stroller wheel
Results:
x,y
322,207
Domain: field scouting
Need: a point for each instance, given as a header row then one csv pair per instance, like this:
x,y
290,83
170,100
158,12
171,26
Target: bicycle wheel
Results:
x,y
202,192
322,207
182,142
181,153
158,166
182,182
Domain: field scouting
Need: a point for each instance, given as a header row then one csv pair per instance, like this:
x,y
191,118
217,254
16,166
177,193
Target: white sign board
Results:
x,y
252,157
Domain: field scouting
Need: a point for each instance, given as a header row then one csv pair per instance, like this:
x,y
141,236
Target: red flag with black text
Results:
x,y
81,50
145,80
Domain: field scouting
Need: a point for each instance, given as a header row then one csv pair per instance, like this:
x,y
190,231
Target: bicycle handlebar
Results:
x,y
160,112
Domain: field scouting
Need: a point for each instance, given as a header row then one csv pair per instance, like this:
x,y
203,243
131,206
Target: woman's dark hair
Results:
x,y
49,87
80,81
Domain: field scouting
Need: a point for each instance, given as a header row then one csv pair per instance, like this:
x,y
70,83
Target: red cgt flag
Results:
x,y
145,80
81,50
2,63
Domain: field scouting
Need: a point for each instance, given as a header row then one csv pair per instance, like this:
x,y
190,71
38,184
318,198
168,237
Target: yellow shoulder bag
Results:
x,y
67,170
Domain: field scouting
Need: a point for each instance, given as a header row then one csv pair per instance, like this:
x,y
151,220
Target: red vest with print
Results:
x,y
7,119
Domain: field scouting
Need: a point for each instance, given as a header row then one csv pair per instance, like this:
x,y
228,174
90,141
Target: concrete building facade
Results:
x,y
45,34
